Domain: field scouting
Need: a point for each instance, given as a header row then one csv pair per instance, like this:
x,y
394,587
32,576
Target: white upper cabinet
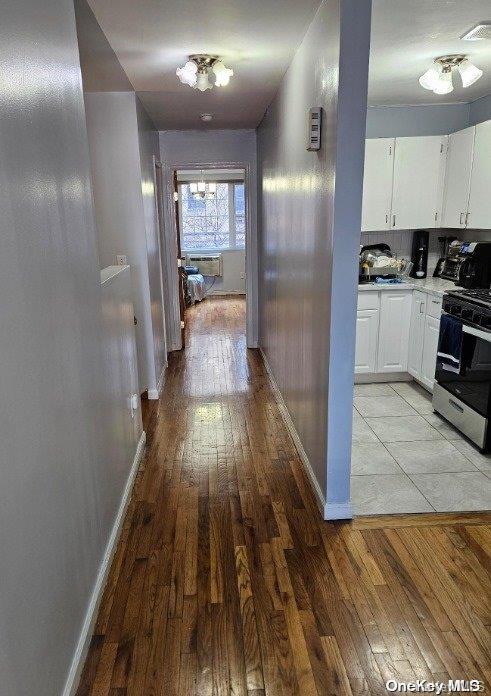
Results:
x,y
377,184
458,177
480,192
418,182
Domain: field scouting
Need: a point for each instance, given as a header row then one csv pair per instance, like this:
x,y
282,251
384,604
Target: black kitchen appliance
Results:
x,y
463,396
468,264
419,253
444,245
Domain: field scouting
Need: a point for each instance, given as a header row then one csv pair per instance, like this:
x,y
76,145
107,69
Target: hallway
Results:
x,y
227,581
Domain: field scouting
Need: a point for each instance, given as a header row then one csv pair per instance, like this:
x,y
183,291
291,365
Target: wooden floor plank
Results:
x,y
227,581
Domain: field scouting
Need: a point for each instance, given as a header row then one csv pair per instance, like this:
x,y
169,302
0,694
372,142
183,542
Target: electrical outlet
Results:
x,y
242,276
121,259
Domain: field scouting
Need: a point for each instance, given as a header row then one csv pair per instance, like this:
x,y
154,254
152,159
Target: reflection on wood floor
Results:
x,y
227,581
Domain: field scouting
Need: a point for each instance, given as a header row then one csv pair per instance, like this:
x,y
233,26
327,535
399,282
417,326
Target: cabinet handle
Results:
x,y
386,218
421,307
436,301
467,218
461,216
393,221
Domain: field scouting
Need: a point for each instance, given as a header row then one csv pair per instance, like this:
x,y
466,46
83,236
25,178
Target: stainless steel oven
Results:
x,y
464,396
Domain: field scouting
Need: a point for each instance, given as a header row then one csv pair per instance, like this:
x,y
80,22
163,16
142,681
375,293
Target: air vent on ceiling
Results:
x,y
477,33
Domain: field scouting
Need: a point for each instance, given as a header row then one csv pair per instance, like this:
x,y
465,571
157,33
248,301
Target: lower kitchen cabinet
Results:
x,y
428,363
417,333
367,323
395,312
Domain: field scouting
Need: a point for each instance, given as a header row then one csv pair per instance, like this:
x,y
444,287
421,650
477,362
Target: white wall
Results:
x,y
149,153
310,216
61,471
122,227
179,150
232,280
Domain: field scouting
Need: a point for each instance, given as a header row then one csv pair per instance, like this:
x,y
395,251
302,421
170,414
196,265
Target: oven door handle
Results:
x,y
483,335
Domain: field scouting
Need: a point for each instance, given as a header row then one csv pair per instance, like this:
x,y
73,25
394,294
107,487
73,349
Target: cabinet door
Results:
x,y
366,340
458,177
432,329
418,182
416,334
480,198
377,183
393,344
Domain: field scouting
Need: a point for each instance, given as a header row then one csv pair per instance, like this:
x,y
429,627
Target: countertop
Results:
x,y
430,285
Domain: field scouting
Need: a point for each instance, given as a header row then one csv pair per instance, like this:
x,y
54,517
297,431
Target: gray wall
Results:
x,y
123,142
427,119
399,121
480,110
309,232
179,149
148,139
60,471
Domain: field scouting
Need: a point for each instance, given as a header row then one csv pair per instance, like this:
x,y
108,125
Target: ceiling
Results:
x,y
256,38
408,34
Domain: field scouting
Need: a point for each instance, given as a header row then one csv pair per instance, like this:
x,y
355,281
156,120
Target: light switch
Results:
x,y
314,128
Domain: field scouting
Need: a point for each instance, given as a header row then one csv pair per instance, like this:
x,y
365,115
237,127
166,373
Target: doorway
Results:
x,y
212,219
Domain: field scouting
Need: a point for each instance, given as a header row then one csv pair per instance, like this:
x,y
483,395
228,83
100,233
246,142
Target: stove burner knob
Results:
x,y
466,314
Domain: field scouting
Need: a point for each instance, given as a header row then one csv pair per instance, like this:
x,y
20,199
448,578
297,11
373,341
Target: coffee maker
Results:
x,y
419,253
468,264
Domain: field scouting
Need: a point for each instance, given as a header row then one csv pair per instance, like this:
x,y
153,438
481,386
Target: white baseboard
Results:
x,y
91,616
287,419
337,511
372,377
154,394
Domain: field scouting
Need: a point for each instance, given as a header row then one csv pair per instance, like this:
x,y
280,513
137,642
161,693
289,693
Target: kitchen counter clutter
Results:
x,y
397,330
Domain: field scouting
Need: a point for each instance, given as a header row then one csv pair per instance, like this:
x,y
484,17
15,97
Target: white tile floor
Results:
x,y
405,458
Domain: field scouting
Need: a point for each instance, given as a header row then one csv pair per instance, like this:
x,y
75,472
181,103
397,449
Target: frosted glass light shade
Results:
x,y
444,85
193,187
212,187
187,74
469,73
430,79
222,74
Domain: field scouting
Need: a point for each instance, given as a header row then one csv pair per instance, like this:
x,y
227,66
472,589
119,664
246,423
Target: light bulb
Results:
x,y
222,74
468,72
202,82
430,79
444,85
187,74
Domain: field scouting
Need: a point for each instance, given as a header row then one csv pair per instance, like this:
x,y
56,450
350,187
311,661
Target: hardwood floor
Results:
x,y
227,581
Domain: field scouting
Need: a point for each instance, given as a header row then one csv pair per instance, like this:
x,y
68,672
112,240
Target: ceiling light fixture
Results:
x,y
203,190
439,78
197,72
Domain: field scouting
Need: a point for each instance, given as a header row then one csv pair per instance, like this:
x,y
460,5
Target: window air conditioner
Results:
x,y
209,264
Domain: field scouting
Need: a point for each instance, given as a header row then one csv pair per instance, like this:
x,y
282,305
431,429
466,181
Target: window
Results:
x,y
217,223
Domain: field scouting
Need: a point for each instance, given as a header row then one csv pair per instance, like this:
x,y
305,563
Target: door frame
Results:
x,y
170,265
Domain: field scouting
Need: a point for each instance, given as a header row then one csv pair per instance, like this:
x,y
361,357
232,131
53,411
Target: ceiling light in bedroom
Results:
x,y
203,190
199,69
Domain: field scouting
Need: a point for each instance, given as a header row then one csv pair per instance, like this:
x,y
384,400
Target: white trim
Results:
x,y
337,511
82,648
154,394
287,419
